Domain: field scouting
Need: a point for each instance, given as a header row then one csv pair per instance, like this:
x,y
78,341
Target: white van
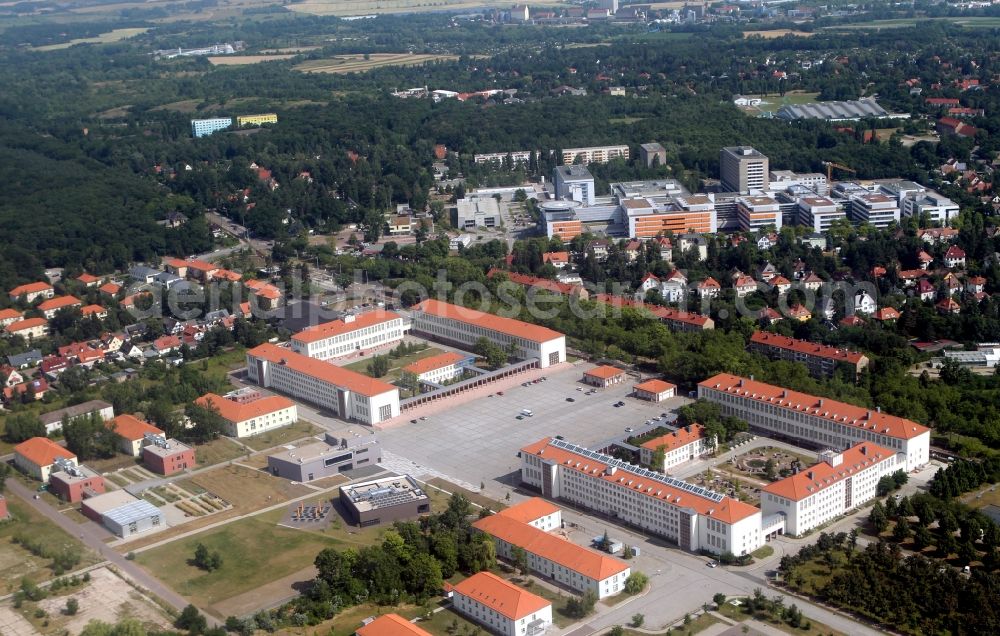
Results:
x,y
526,412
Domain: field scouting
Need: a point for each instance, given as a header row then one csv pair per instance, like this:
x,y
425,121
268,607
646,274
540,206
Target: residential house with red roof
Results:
x,y
30,291
954,257
952,126
88,280
9,316
840,482
52,306
30,328
94,311
709,288
131,432
390,625
816,420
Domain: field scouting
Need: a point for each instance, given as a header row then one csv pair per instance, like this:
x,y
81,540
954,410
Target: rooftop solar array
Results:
x,y
639,471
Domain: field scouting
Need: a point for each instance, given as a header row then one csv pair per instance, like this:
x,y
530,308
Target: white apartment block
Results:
x,y
440,368
574,183
527,526
819,421
758,213
244,419
840,482
501,606
465,326
785,179
350,334
693,517
349,395
819,213
679,447
877,210
516,157
939,208
595,154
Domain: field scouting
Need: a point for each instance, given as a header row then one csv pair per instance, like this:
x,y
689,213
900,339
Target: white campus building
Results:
x,y
464,326
501,606
693,517
527,526
819,421
350,334
441,367
247,418
838,483
680,446
350,395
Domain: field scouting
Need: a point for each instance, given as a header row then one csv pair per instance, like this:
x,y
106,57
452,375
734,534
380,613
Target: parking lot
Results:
x,y
478,441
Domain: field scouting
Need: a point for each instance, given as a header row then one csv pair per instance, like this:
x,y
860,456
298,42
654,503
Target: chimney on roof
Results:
x,y
878,409
864,450
810,474
740,383
751,377
821,401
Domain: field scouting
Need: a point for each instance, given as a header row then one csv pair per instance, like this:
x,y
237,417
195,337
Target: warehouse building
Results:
x,y
123,514
464,326
840,482
833,111
823,422
384,500
473,212
348,394
316,460
351,334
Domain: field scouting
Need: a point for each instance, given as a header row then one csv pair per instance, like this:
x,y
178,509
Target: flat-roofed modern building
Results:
x,y
552,557
595,154
316,460
256,120
758,213
466,326
350,395
693,517
838,483
821,360
123,514
472,212
742,169
75,483
822,422
574,183
559,218
820,213
384,500
245,419
351,334
168,456
205,127
877,210
652,154
501,606
680,446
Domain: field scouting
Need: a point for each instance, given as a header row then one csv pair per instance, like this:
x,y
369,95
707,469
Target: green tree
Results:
x,y
520,558
658,458
206,559
636,582
878,519
192,620
493,354
22,426
378,366
719,598
207,424
638,620
72,606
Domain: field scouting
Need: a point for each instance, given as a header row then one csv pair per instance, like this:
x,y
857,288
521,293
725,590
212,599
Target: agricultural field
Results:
x,y
105,38
983,22
358,63
777,33
239,60
373,7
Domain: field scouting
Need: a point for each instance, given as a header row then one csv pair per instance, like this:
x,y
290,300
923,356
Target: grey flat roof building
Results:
x,y
123,514
833,111
330,457
384,500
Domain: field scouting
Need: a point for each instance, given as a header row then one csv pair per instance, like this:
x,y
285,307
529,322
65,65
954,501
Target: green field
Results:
x,y
395,364
282,435
111,36
899,23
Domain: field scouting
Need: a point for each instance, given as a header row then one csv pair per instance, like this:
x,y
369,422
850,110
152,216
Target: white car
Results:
x,y
712,564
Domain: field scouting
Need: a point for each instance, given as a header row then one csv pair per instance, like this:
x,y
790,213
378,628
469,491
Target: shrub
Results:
x,y
72,606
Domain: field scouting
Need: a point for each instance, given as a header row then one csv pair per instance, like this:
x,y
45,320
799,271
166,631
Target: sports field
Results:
x,y
356,63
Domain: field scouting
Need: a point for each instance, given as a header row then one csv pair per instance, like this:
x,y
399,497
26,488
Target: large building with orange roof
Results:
x,y
31,291
348,394
37,456
243,419
131,432
464,326
604,376
501,606
551,556
695,518
838,483
390,625
351,334
822,422
680,446
821,360
441,367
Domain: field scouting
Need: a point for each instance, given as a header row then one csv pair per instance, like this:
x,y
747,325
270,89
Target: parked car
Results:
x,y
569,399
712,564
629,429
500,393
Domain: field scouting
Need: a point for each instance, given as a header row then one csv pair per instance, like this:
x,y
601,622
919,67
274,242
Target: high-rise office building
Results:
x,y
743,169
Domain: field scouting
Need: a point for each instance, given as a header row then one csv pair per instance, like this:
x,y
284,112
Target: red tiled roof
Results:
x,y
535,281
503,597
131,428
87,279
886,313
654,386
27,323
30,288
555,257
663,313
728,510
604,372
822,475
530,510
955,252
709,283
240,412
8,314
507,326
339,376
41,451
167,342
676,439
337,327
432,363
260,288
832,410
111,289
59,302
805,347
391,625
92,310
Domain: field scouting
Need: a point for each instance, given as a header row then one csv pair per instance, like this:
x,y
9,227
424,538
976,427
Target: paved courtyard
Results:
x,y
478,441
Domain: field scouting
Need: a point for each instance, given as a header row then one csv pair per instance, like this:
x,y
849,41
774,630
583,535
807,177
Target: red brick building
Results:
x,y
168,459
80,485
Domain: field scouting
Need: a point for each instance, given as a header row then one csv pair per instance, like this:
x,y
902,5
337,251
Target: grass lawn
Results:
x,y
763,552
15,561
815,628
247,490
218,451
282,435
440,623
112,464
219,365
815,573
254,550
703,622
395,364
474,497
